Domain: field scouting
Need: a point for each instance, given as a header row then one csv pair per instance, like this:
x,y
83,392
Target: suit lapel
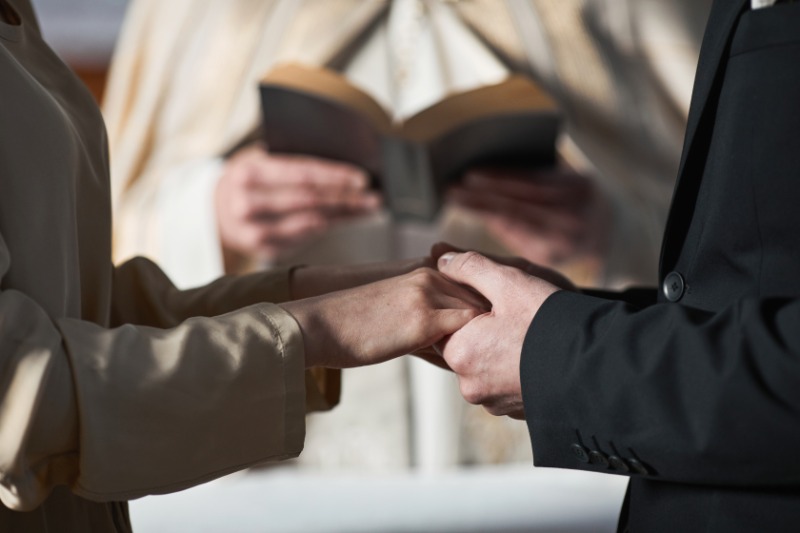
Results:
x,y
719,31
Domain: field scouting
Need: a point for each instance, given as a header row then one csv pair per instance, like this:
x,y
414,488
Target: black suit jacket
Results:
x,y
694,390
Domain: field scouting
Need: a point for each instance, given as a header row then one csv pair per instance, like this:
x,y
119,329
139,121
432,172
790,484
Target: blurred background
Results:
x,y
392,457
83,32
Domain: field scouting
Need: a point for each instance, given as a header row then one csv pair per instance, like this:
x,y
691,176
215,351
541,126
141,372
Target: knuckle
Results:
x,y
239,174
457,359
237,207
249,238
494,410
418,303
424,276
471,260
311,222
471,392
231,176
261,235
245,208
358,178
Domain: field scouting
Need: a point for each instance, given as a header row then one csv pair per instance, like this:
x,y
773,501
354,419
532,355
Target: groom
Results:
x,y
693,388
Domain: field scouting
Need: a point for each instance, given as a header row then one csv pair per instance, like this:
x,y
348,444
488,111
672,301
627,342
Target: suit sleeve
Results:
x,y
637,296
693,396
150,406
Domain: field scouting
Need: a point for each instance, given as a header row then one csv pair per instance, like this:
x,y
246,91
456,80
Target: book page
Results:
x,y
514,95
332,86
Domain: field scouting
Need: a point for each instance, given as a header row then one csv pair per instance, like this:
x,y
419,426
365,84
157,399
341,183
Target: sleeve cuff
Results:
x,y
290,340
564,326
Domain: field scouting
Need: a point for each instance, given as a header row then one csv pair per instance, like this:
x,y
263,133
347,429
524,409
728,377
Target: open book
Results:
x,y
317,112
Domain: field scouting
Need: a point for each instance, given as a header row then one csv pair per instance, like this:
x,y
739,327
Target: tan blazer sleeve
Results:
x,y
144,295
136,410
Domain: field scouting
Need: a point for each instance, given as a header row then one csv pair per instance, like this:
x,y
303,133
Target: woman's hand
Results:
x,y
308,281
383,320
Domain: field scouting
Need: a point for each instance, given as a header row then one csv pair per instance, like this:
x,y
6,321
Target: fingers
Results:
x,y
541,233
266,203
534,269
476,271
378,321
549,201
543,222
441,248
536,216
277,170
440,306
554,186
461,293
277,187
288,231
448,321
485,356
536,245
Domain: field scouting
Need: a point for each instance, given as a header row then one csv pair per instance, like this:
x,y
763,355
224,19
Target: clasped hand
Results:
x,y
475,310
381,320
485,353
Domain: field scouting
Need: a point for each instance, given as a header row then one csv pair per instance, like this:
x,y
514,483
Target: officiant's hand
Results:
x,y
382,320
269,204
548,217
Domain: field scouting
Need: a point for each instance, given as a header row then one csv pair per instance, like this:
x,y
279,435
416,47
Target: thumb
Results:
x,y
474,270
441,248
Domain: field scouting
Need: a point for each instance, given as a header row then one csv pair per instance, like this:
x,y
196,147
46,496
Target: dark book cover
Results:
x,y
314,111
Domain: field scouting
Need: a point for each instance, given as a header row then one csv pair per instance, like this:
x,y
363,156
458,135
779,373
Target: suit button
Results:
x,y
673,286
580,453
617,463
598,458
637,466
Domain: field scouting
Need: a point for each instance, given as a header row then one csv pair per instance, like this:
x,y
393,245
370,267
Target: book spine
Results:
x,y
407,180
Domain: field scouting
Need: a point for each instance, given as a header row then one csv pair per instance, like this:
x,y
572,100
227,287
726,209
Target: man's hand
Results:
x,y
547,274
382,320
485,354
268,204
549,217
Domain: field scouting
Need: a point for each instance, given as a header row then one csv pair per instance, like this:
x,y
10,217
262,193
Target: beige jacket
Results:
x,y
183,90
113,384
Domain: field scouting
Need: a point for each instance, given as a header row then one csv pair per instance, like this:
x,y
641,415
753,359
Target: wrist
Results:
x,y
309,315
